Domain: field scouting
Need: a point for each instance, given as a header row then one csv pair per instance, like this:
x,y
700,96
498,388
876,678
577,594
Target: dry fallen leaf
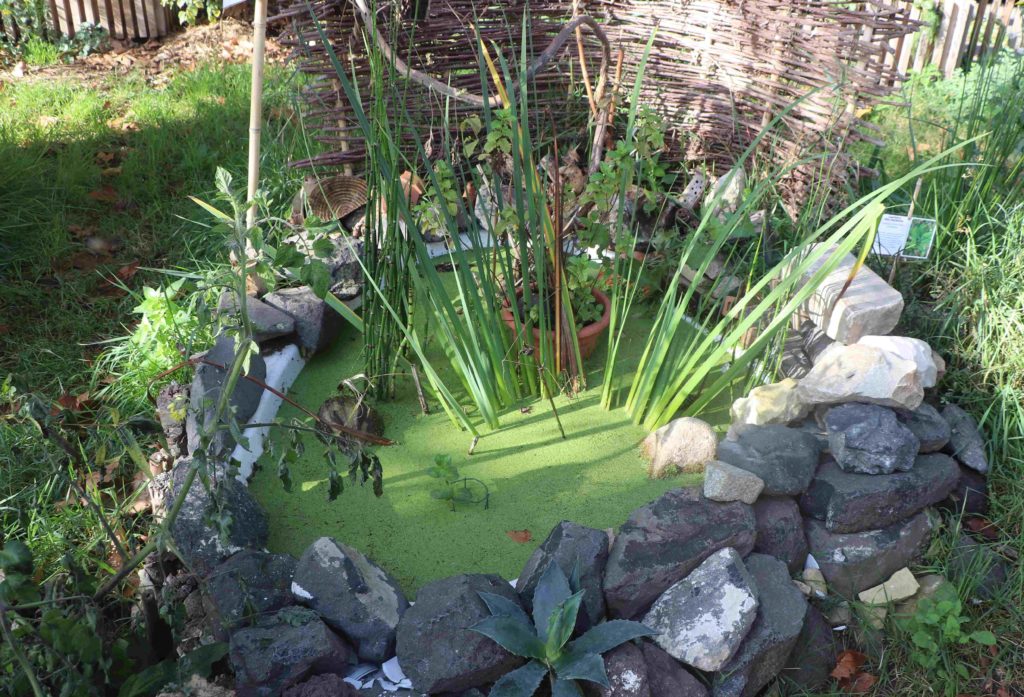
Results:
x,y
862,682
982,527
848,663
105,194
520,536
81,231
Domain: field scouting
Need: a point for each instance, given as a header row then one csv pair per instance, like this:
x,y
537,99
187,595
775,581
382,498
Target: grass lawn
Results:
x,y
97,178
595,476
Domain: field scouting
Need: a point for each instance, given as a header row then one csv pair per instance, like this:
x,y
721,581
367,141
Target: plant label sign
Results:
x,y
907,238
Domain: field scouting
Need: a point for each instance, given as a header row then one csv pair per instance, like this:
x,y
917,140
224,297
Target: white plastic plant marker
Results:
x,y
282,368
811,563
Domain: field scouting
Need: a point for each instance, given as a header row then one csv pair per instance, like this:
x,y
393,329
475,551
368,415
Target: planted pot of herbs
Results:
x,y
591,308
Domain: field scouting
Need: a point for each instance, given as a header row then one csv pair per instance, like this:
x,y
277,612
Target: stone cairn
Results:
x,y
813,506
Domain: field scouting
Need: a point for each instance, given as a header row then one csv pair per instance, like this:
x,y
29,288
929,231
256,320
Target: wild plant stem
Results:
x,y
19,655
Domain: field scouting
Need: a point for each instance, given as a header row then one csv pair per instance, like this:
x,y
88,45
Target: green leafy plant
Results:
x,y
189,10
545,639
449,486
935,630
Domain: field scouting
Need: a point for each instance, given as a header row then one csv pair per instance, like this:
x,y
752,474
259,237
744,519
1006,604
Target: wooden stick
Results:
x,y
583,61
259,43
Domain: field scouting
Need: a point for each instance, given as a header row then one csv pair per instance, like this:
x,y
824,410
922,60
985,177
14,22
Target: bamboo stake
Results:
x,y
259,42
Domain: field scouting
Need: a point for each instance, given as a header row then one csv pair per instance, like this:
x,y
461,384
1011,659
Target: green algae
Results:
x,y
595,476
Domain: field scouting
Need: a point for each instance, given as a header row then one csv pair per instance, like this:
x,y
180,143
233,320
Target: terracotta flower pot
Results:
x,y
587,337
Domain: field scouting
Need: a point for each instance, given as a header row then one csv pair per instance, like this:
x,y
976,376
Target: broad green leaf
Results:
x,y
16,557
521,682
318,276
607,635
500,606
588,666
323,247
149,681
562,622
984,637
566,688
335,485
552,590
200,661
513,635
287,256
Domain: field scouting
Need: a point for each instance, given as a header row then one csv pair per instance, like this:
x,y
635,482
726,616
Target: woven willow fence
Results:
x,y
719,70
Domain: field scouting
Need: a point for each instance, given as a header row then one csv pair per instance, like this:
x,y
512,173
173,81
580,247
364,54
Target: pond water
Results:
x,y
595,476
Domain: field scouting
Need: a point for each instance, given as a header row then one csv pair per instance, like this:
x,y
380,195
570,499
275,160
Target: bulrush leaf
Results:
x,y
607,635
589,666
521,682
512,635
566,688
552,590
500,606
561,623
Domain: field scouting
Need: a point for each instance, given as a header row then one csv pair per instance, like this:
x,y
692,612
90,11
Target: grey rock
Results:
x,y
784,458
284,649
667,677
862,373
327,685
725,482
854,502
206,389
970,495
869,439
627,674
266,322
780,531
664,541
811,427
815,340
316,324
250,584
780,617
171,409
567,544
437,649
199,545
852,562
977,567
702,619
928,425
352,595
343,262
814,654
965,441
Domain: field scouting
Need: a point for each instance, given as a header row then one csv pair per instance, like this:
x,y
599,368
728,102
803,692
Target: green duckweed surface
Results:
x,y
595,476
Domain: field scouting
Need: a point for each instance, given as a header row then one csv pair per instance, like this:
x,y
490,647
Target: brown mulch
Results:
x,y
229,40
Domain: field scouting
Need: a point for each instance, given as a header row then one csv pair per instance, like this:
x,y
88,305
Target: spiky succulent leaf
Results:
x,y
607,635
562,622
521,682
587,666
552,590
566,688
513,635
500,606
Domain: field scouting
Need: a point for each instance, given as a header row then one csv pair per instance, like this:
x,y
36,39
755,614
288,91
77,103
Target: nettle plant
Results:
x,y
935,629
545,639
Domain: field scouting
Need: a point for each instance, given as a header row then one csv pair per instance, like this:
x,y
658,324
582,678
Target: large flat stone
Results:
x,y
206,389
702,619
667,677
852,562
927,424
662,542
284,649
725,482
909,349
850,502
861,373
266,322
813,656
869,439
780,531
316,324
352,595
199,545
567,545
869,305
780,618
436,647
784,458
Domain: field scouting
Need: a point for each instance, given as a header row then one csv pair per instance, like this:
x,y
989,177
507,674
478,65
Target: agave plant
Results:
x,y
545,639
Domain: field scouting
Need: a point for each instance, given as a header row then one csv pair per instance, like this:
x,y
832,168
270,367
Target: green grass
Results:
x,y
163,145
595,476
